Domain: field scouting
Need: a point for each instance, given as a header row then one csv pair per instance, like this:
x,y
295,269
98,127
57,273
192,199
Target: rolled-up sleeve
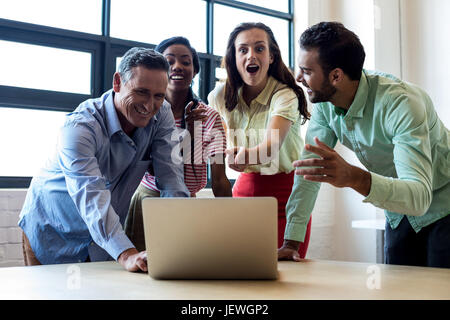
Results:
x,y
87,187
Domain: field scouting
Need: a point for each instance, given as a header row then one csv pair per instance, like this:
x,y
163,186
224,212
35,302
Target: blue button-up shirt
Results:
x,y
78,203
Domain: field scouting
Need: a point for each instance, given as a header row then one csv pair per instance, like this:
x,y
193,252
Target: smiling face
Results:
x,y
181,70
253,57
140,98
312,77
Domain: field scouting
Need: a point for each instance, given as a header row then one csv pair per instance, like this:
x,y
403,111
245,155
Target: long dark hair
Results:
x,y
277,69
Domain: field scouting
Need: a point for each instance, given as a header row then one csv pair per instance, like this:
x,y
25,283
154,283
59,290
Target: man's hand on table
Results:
x,y
133,260
289,251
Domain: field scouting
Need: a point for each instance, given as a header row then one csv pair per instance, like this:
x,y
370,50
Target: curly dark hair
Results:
x,y
337,46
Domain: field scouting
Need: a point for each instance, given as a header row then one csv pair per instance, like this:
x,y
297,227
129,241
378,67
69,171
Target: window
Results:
x,y
270,4
227,18
45,68
56,13
154,21
29,135
56,54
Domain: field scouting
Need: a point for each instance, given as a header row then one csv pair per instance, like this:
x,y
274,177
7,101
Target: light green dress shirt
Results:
x,y
396,134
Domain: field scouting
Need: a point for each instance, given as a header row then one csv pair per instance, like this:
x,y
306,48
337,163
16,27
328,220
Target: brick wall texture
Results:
x,y
11,201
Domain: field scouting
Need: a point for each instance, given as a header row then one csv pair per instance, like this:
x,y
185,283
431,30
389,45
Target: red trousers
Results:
x,y
278,186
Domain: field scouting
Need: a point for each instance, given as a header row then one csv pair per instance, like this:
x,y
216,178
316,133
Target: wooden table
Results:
x,y
310,279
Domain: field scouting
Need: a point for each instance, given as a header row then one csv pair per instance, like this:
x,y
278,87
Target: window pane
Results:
x,y
227,18
38,67
153,21
29,138
196,84
279,5
221,75
80,15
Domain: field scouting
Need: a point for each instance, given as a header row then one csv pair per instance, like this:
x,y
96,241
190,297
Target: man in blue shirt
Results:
x,y
394,130
75,208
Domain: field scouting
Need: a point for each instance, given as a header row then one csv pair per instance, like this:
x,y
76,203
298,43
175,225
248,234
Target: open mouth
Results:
x,y
252,68
141,110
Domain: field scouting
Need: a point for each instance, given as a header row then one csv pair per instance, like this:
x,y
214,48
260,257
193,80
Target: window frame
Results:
x,y
104,50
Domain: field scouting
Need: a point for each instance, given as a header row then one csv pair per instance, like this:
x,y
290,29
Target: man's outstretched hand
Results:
x,y
333,169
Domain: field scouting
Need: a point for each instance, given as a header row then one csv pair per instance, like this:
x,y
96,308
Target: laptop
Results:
x,y
211,238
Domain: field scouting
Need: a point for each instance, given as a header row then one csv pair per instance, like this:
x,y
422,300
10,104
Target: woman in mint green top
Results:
x,y
392,127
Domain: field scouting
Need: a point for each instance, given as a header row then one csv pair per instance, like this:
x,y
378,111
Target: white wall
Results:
x,y
387,36
412,43
425,46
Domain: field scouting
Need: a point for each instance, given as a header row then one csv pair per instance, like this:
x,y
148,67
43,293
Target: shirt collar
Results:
x,y
356,109
113,123
264,95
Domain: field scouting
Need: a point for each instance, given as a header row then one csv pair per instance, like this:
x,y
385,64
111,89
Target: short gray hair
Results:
x,y
145,57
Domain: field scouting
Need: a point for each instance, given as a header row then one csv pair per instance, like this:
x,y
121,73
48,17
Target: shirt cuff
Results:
x,y
117,244
295,231
380,189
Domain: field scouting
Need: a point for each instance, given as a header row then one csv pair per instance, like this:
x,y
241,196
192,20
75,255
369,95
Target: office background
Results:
x,y
55,54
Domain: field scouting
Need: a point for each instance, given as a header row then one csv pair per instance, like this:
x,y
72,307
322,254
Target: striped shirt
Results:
x,y
209,144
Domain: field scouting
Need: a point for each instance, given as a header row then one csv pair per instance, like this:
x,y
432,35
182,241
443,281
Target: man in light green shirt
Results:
x,y
392,127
